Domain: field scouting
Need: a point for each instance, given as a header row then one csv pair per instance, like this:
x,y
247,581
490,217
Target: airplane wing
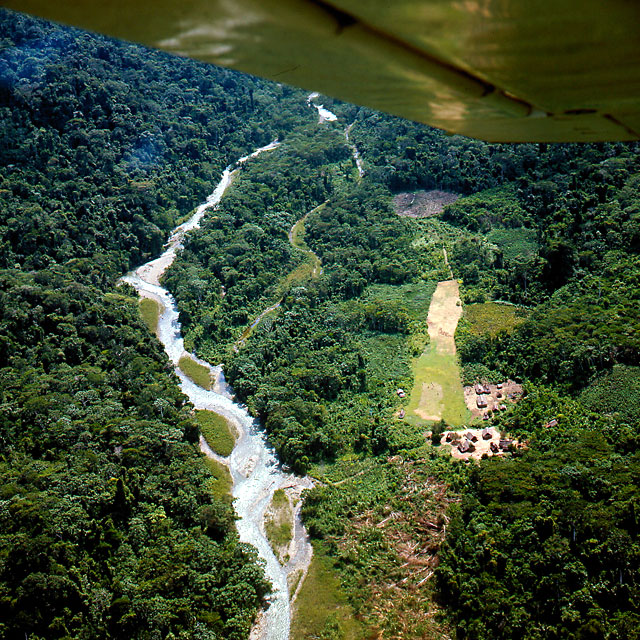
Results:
x,y
500,70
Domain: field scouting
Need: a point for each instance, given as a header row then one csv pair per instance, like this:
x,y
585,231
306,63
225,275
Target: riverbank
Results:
x,y
252,464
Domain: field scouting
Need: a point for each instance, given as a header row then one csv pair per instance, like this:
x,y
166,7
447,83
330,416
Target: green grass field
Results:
x,y
150,312
321,609
196,372
489,318
516,244
217,431
415,296
617,390
446,398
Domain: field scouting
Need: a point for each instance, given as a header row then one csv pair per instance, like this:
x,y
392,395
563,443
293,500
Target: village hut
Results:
x,y
471,436
494,447
551,423
479,389
486,389
448,437
503,407
499,385
401,393
486,434
401,413
505,444
466,447
481,402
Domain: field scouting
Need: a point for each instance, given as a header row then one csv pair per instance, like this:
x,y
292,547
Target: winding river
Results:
x,y
254,467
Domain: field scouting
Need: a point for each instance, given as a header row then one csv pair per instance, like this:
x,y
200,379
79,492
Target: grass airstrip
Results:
x,y
437,391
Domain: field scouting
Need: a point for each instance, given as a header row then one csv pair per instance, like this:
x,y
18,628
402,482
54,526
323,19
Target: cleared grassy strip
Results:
x,y
278,525
321,609
437,390
217,431
196,372
150,311
221,483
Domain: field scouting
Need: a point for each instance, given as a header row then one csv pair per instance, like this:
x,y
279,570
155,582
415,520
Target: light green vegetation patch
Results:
x,y
217,431
489,318
221,483
616,391
321,609
437,390
312,266
150,311
196,372
516,244
278,525
415,297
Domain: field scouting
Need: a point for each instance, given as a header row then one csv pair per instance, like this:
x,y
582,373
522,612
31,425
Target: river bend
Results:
x,y
254,467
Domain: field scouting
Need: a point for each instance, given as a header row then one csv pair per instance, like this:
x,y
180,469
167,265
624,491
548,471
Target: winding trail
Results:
x,y
295,233
253,465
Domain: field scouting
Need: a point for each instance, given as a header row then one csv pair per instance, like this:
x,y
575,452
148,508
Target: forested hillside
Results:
x,y
108,523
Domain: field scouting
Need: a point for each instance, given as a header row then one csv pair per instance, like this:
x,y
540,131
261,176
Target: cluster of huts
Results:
x,y
467,443
484,397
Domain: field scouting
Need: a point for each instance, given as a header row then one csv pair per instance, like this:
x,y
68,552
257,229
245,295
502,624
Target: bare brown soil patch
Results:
x,y
510,392
444,312
423,204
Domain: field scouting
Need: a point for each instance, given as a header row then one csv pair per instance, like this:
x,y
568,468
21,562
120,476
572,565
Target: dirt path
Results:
x,y
446,261
444,312
437,392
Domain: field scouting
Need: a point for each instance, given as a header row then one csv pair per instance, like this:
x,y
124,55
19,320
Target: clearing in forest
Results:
x,y
422,204
437,390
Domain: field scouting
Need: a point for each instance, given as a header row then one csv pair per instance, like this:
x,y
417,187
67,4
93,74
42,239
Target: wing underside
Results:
x,y
501,70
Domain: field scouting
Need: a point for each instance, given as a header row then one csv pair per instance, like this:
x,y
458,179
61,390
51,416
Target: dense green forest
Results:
x,y
109,526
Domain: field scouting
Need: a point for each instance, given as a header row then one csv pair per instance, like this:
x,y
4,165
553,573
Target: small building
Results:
x,y
479,388
505,444
551,423
471,436
486,434
486,389
401,393
466,447
494,447
485,416
481,402
499,385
